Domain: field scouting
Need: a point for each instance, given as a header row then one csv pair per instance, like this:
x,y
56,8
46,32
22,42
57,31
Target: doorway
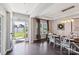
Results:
x,y
20,31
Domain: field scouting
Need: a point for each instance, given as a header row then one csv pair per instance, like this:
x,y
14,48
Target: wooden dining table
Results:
x,y
76,40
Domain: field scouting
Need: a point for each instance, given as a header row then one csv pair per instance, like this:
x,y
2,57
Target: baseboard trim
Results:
x,y
41,40
10,49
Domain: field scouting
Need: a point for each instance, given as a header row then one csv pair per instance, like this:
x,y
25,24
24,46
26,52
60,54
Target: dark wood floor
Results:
x,y
42,48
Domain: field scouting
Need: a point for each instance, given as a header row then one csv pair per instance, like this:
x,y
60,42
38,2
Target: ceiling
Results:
x,y
44,10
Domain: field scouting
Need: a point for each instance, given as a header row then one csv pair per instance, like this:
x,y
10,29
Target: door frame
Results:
x,y
1,34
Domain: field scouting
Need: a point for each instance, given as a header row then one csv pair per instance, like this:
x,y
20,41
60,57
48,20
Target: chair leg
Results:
x,y
53,45
68,52
61,49
49,42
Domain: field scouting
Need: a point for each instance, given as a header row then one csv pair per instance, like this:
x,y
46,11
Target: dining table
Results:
x,y
75,40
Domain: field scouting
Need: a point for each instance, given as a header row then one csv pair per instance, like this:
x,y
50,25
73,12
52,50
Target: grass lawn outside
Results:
x,y
20,35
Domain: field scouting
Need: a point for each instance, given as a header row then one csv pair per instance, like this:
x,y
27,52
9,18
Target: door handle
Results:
x,y
11,33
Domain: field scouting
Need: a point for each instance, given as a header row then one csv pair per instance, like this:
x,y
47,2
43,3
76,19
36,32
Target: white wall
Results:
x,y
3,40
9,44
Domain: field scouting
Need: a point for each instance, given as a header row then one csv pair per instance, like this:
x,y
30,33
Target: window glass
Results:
x,y
43,27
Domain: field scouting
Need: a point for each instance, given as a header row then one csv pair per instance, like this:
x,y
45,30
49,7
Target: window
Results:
x,y
43,27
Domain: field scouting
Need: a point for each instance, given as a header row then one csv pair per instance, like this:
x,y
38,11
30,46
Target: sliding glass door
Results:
x,y
20,31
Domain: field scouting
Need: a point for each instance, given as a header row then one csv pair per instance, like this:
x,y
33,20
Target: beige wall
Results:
x,y
76,26
51,26
34,29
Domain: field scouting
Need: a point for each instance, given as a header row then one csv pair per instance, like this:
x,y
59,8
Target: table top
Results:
x,y
76,40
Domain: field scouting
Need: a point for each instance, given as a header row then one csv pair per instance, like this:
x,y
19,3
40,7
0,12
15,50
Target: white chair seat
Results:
x,y
51,40
65,45
58,44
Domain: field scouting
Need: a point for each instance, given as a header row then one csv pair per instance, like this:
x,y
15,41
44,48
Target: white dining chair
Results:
x,y
57,41
74,48
51,40
65,43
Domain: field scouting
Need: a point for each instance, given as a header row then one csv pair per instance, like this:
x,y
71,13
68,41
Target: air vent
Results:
x,y
68,8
